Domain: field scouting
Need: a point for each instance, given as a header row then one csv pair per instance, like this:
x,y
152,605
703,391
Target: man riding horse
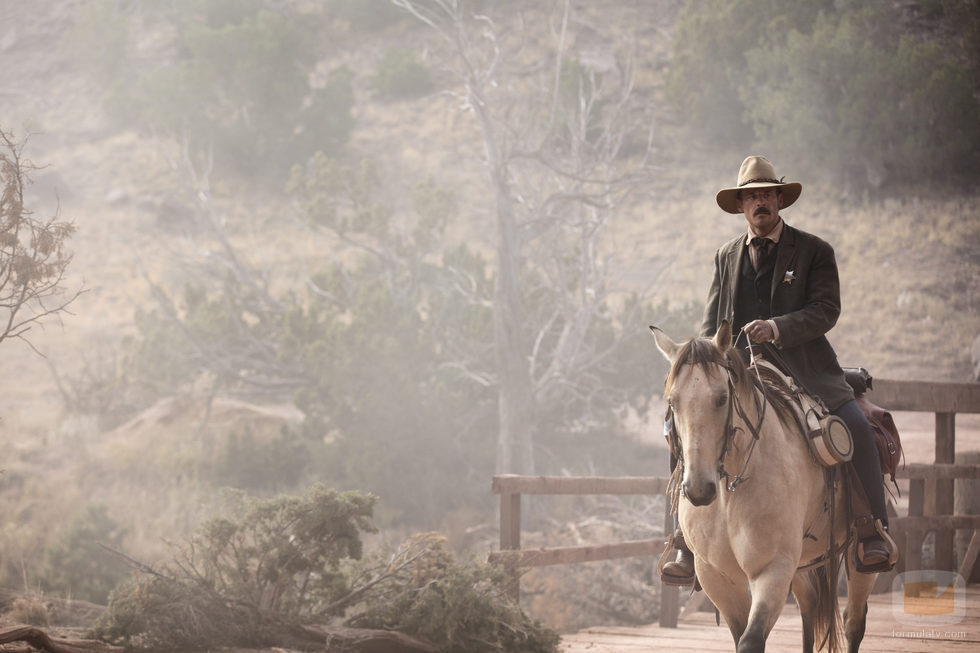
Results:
x,y
779,285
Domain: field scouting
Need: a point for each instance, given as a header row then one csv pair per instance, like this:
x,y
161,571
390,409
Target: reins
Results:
x,y
735,406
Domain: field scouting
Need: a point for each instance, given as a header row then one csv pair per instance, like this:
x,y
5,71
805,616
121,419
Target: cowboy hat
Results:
x,y
757,172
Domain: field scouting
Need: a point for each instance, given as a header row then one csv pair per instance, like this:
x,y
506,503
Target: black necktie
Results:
x,y
762,247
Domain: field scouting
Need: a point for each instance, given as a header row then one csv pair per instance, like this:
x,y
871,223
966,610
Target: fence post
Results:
x,y
669,595
912,552
945,453
510,539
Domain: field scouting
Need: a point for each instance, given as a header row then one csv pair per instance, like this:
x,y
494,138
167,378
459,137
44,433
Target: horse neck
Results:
x,y
778,443
757,413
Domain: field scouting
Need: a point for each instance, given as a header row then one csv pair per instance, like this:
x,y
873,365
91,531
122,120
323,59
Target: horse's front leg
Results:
x,y
769,587
729,593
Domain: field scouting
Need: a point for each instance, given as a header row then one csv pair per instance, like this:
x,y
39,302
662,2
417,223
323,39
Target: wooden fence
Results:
x,y
910,531
930,496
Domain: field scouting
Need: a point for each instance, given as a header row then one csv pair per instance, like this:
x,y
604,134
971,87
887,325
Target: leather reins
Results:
x,y
735,406
730,429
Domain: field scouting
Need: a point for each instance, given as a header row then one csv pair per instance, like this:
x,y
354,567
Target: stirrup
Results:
x,y
880,567
677,580
667,579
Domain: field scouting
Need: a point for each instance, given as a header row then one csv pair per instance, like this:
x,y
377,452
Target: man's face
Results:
x,y
761,208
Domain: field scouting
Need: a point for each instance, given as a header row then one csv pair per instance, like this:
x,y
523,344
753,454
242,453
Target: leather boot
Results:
x,y
680,570
878,552
874,552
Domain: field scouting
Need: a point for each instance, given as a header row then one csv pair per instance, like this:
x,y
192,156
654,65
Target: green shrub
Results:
x,y
77,565
401,74
30,609
99,42
881,110
266,560
835,87
250,464
241,89
709,59
458,607
247,578
158,612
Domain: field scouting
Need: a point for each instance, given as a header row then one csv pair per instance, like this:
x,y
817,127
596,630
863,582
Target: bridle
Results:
x,y
734,408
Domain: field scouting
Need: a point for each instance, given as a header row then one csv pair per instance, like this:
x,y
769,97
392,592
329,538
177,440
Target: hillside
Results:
x,y
910,265
116,187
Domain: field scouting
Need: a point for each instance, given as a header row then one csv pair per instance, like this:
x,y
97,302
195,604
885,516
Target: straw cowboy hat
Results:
x,y
757,172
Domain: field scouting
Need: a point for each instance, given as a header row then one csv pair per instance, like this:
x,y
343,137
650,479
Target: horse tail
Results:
x,y
827,627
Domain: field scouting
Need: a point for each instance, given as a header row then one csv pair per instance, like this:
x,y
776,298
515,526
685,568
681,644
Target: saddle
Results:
x,y
831,444
887,440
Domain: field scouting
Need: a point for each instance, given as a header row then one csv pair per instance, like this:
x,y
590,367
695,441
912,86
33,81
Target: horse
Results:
x,y
755,507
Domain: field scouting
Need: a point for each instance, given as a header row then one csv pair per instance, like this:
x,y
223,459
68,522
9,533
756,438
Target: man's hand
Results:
x,y
759,331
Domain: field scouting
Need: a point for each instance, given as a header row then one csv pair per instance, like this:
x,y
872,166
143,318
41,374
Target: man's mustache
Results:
x,y
762,211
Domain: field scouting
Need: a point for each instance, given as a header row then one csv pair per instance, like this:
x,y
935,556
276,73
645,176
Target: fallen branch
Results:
x,y
44,642
368,640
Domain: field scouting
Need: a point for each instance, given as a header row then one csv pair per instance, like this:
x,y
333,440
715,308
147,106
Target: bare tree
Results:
x,y
556,129
242,350
567,138
33,253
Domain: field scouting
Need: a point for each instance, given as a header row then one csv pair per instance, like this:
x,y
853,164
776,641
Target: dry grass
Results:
x,y
911,287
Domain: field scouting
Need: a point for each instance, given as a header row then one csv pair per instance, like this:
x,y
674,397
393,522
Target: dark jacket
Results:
x,y
805,303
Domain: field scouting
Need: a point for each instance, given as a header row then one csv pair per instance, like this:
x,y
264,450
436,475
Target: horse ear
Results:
x,y
667,347
723,338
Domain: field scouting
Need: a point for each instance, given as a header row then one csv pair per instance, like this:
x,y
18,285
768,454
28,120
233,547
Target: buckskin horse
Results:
x,y
755,506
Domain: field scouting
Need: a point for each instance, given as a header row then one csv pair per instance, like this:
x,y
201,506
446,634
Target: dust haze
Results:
x,y
320,243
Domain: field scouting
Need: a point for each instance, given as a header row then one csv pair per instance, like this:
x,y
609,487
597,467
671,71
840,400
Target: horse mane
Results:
x,y
703,352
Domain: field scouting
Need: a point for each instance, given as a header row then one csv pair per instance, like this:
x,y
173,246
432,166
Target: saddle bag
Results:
x,y
830,439
887,440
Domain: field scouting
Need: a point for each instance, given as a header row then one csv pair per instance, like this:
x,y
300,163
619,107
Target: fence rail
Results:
x,y
930,486
511,487
911,530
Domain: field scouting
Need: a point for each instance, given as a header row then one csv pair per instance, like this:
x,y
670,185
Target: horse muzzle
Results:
x,y
700,492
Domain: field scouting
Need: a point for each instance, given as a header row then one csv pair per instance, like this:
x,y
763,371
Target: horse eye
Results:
x,y
721,400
